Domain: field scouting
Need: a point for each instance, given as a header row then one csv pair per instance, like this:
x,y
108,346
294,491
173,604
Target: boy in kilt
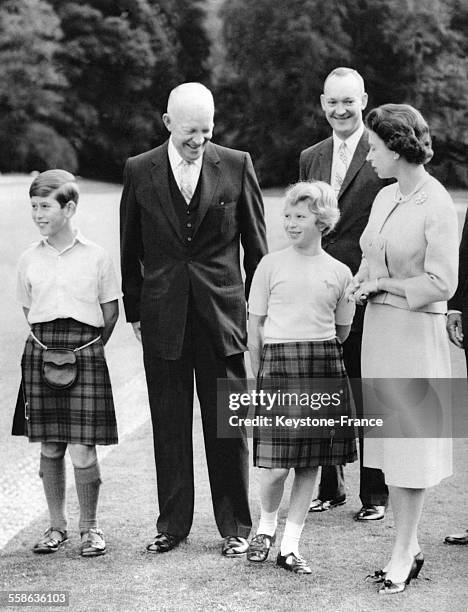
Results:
x,y
68,290
298,318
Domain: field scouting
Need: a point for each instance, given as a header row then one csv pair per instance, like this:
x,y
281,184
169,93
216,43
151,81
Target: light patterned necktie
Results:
x,y
341,167
185,180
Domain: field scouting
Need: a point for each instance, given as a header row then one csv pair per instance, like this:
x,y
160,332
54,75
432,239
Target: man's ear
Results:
x,y
364,100
322,102
167,121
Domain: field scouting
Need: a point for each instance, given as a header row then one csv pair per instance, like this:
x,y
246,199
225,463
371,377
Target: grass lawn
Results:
x,y
195,576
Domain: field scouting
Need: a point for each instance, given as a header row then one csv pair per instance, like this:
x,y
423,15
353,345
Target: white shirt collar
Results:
x,y
351,142
77,238
175,159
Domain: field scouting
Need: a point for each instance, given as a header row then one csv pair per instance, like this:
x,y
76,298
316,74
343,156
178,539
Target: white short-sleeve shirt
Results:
x,y
71,283
303,297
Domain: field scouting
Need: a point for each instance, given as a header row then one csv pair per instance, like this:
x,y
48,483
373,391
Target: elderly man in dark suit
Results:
x,y
341,161
457,328
185,208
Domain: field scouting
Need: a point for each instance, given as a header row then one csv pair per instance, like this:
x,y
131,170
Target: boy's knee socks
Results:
x,y
52,472
88,482
268,522
291,536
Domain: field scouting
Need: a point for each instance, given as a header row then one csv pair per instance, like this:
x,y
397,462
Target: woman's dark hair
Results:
x,y
403,130
58,182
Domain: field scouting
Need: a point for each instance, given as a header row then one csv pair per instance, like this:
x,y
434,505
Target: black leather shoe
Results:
x,y
457,538
163,542
234,546
370,513
318,505
259,547
290,562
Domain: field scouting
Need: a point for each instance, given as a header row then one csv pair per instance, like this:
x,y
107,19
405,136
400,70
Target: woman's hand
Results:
x,y
351,290
359,292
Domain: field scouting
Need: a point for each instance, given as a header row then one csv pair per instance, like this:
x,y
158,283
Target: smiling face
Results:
x,y
191,127
51,219
343,101
301,226
382,159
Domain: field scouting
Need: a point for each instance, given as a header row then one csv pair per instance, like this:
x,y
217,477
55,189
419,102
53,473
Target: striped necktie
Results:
x,y
185,180
341,167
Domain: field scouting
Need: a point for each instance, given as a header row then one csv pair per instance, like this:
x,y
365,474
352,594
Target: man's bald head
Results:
x,y
190,119
190,95
343,71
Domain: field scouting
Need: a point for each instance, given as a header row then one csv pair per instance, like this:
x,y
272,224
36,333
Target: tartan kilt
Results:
x,y
273,448
83,414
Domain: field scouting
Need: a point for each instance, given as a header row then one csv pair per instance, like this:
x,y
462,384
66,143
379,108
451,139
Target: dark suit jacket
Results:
x,y
160,269
360,186
460,299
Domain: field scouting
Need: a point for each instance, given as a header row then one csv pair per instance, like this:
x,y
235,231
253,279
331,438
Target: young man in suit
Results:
x,y
341,161
457,324
186,207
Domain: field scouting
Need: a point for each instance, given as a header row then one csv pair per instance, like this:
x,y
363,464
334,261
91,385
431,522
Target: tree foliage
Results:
x,y
278,54
115,56
422,45
31,88
187,18
98,72
83,83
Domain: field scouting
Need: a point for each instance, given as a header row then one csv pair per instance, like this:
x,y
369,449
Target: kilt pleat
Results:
x,y
281,362
83,414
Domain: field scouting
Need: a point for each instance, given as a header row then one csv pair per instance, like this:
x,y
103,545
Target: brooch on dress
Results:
x,y
420,197
417,198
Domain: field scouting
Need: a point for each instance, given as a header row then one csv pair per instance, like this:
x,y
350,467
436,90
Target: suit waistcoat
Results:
x,y
186,213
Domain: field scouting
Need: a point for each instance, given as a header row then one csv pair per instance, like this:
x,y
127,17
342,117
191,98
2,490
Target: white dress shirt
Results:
x,y
65,284
176,161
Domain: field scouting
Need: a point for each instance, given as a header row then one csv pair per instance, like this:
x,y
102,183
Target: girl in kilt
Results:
x,y
298,318
68,289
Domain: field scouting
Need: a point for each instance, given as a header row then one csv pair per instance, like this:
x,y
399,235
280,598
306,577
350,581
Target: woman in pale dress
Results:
x,y
408,271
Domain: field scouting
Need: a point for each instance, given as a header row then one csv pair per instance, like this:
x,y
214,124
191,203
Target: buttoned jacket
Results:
x,y
162,267
415,241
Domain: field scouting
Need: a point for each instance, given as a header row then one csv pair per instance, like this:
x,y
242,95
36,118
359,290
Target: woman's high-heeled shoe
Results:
x,y
379,575
392,588
419,560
